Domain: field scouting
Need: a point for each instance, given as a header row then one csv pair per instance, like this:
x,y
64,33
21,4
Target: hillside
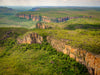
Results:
x,y
60,14
13,21
8,19
6,11
38,59
65,11
51,41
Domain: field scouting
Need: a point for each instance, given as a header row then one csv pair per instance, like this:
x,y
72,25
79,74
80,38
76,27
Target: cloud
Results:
x,y
50,2
18,2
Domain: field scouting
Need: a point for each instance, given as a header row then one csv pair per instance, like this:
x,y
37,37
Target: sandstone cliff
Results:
x,y
48,19
91,61
42,26
30,38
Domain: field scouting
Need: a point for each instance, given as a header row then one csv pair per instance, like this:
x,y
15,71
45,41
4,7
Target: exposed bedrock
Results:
x,y
30,38
48,19
42,26
90,60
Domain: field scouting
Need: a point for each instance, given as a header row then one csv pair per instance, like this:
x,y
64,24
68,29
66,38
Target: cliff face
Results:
x,y
63,19
27,16
91,61
48,19
30,38
36,18
41,26
21,16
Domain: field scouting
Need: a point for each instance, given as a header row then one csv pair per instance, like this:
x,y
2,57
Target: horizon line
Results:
x,y
47,6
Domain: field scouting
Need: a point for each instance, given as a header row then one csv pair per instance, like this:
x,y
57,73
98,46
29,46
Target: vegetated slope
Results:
x,y
80,23
65,11
80,33
11,31
34,59
84,39
7,11
8,19
12,21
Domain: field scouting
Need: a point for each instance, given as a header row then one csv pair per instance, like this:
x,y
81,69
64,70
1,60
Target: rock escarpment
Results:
x,y
91,61
63,19
30,38
48,19
42,26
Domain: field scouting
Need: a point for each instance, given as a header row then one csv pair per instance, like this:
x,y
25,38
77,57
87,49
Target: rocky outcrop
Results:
x,y
36,18
63,19
91,61
48,19
27,16
30,38
21,15
42,26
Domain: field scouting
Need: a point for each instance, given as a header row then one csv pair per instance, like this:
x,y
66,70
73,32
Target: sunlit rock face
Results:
x,y
48,19
90,60
41,26
30,38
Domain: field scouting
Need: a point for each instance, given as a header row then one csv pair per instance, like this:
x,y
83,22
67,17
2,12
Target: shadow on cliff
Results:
x,y
82,26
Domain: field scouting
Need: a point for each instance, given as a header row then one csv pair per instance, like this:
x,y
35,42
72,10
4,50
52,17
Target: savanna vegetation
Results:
x,y
80,38
8,19
42,59
7,11
34,59
13,21
58,12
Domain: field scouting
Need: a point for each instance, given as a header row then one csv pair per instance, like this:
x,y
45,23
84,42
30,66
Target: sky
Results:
x,y
49,2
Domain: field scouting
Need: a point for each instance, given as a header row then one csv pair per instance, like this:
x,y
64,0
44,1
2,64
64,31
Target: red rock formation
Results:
x,y
33,19
32,16
30,38
21,16
36,18
27,17
91,61
41,26
48,19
